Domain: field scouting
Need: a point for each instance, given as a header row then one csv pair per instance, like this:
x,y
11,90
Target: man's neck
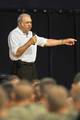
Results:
x,y
22,30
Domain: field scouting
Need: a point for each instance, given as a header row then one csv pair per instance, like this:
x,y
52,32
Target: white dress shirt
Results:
x,y
17,38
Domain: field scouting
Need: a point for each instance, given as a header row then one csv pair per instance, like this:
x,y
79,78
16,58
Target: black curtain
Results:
x,y
62,57
7,23
60,62
68,4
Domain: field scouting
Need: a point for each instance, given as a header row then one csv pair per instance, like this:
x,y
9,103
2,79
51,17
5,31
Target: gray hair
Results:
x,y
19,20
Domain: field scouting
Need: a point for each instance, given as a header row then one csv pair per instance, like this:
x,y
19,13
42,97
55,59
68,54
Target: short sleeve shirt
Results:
x,y
17,39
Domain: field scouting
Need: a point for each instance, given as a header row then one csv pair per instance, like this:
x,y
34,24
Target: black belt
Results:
x,y
24,63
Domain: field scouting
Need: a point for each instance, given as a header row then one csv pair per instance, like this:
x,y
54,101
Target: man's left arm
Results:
x,y
55,42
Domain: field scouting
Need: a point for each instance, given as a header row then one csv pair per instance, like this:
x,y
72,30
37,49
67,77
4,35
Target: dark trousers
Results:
x,y
24,70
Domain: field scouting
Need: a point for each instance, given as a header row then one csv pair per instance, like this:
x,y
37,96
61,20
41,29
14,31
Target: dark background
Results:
x,y
51,19
40,4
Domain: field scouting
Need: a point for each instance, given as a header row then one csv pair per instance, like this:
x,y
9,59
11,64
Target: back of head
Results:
x,y
13,79
56,96
75,92
9,89
46,82
3,97
3,78
41,86
23,91
76,78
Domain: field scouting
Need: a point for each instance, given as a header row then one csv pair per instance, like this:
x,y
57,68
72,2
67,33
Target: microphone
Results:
x,y
33,34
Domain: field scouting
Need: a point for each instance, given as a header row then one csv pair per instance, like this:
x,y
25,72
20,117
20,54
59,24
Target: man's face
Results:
x,y
26,24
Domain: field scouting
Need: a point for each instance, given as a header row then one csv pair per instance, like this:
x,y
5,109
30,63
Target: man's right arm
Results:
x,y
23,48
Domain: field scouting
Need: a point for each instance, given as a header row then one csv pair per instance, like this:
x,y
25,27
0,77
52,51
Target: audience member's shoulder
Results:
x,y
50,116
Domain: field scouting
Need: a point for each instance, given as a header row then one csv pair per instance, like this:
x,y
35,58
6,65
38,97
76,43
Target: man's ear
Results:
x,y
22,24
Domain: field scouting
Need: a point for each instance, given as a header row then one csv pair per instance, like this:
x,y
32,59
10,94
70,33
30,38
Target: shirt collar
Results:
x,y
21,32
